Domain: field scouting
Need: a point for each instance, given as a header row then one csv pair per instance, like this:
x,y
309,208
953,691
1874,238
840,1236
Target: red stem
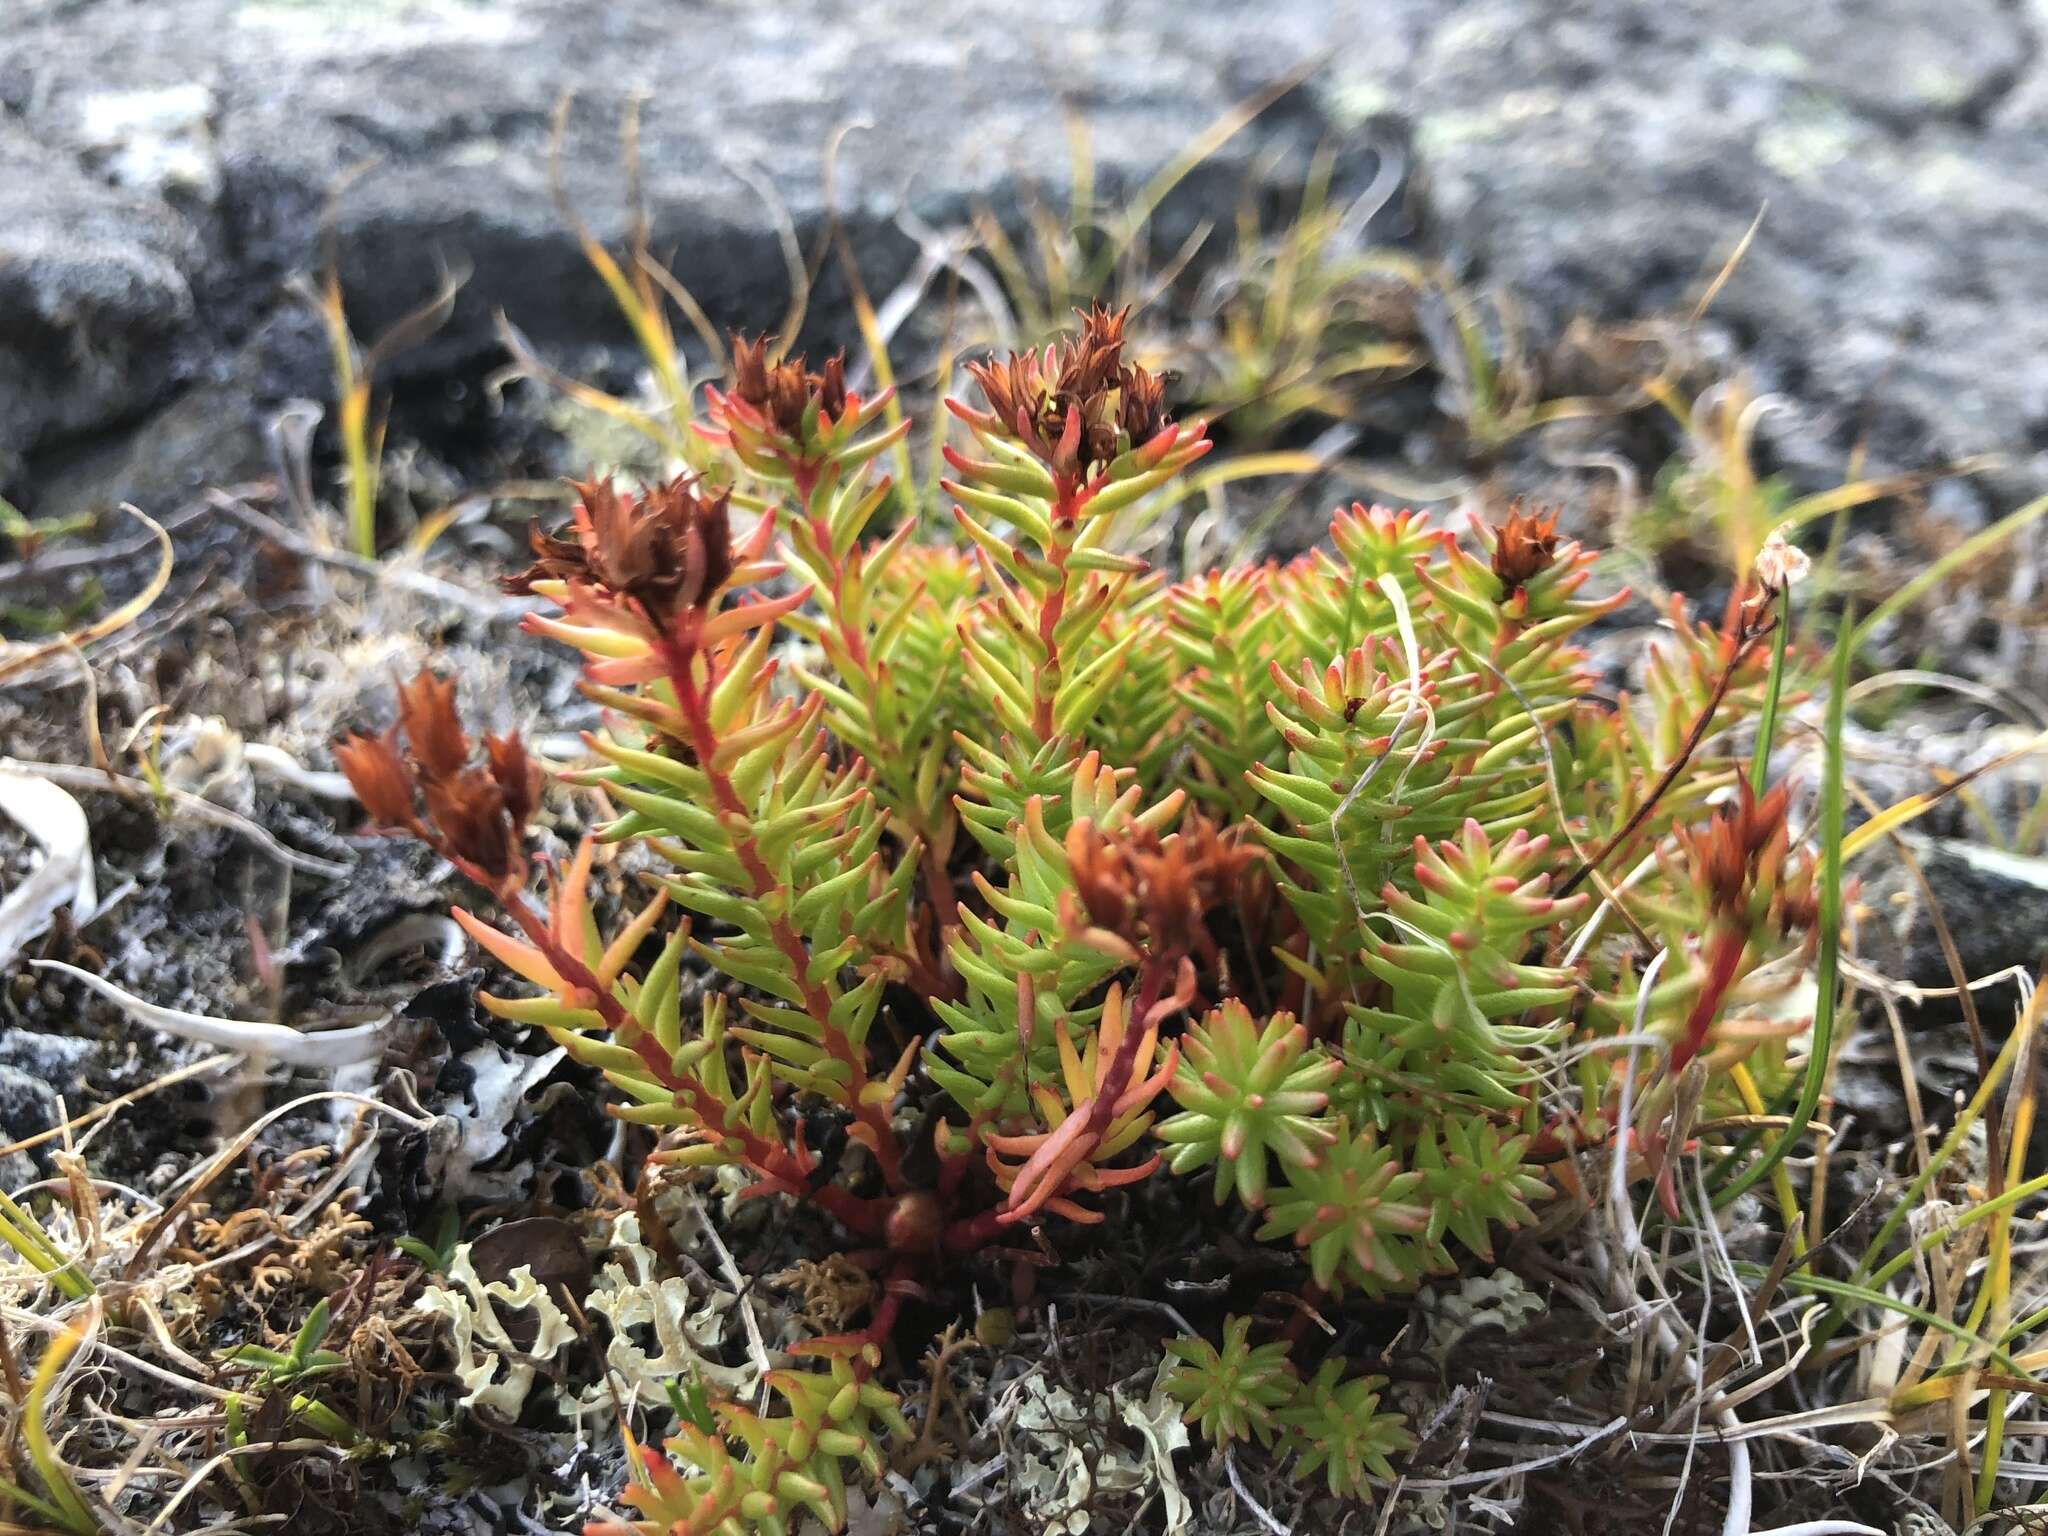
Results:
x,y
770,1159
1693,738
973,1232
894,1289
874,1118
1729,944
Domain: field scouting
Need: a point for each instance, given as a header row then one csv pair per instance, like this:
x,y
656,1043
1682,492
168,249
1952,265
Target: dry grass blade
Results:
x,y
276,1042
1913,807
114,1106
198,807
64,877
863,307
226,1158
1227,126
1958,559
386,573
61,1500
12,666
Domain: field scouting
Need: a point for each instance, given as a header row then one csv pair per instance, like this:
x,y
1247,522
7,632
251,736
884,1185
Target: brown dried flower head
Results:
x,y
783,392
1076,404
1743,854
1524,548
666,550
1151,895
472,812
432,726
1141,404
516,774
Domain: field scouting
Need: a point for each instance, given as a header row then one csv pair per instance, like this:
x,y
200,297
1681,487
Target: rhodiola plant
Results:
x,y
1320,886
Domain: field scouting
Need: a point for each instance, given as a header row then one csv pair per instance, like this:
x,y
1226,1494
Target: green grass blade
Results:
x,y
63,1494
1944,1154
1774,685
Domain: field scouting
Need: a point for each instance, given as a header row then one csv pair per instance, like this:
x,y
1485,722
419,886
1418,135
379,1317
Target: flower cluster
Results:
x,y
1077,405
781,421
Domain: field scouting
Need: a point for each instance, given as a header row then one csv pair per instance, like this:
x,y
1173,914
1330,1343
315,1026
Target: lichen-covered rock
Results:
x,y
164,167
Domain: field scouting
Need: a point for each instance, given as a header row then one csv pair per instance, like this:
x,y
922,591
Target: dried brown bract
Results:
x,y
379,776
665,550
1141,403
1524,548
1740,861
1076,405
516,773
1152,895
783,392
468,810
432,726
475,813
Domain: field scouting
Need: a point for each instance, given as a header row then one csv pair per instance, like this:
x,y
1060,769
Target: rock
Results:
x,y
164,167
56,1061
210,433
246,116
96,304
28,1107
1604,157
154,141
1995,904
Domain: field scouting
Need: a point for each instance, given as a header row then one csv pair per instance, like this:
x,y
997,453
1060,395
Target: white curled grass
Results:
x,y
277,1042
57,824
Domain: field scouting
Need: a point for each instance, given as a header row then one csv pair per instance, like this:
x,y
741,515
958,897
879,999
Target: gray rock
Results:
x,y
96,305
1598,157
245,115
59,1061
1995,905
1604,157
28,1107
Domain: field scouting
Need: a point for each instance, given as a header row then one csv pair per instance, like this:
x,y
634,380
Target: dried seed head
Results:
x,y
468,810
432,726
476,812
518,776
1524,547
1141,404
1780,564
782,392
1076,405
1741,850
666,550
1155,893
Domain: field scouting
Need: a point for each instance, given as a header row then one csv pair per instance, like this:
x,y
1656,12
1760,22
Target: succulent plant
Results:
x,y
1340,1431
1249,1093
989,835
1234,1392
